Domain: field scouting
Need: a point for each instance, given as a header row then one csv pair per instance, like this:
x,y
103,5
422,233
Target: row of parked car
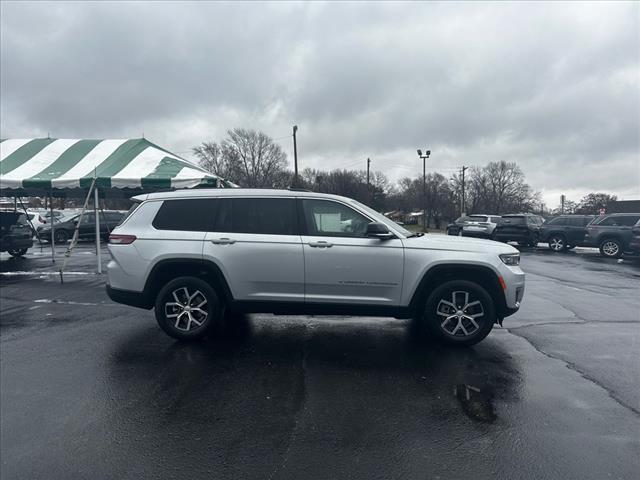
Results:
x,y
614,234
17,229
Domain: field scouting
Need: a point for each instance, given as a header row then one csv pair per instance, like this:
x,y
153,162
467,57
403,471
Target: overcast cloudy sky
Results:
x,y
554,87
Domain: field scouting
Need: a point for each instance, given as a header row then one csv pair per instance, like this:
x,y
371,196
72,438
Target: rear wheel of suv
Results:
x,y
611,248
459,312
18,253
61,236
188,308
558,243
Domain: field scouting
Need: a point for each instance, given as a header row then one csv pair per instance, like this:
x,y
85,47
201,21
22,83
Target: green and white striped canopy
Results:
x,y
122,163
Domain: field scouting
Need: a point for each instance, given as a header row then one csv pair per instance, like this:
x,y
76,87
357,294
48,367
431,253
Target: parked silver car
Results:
x,y
194,255
479,225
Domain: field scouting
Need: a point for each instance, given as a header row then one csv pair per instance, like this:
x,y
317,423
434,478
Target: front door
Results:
x,y
342,264
258,248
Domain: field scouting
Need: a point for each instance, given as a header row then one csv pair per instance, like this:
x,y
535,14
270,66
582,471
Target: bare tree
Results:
x,y
210,158
246,157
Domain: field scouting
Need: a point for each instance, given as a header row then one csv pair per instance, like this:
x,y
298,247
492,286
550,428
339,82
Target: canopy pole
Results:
x,y
53,234
95,209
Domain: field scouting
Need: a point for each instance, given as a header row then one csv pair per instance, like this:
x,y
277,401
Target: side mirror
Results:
x,y
379,230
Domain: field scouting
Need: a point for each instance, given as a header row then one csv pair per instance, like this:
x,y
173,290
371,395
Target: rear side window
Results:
x,y
620,221
478,218
267,216
557,221
191,215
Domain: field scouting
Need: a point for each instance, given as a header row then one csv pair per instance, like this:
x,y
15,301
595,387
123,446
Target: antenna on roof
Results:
x,y
48,137
142,134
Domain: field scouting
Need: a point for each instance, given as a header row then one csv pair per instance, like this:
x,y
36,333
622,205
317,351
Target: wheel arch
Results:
x,y
483,275
167,269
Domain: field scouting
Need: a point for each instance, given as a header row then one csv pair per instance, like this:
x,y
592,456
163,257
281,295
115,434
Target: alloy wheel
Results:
x,y
460,314
556,244
610,249
190,309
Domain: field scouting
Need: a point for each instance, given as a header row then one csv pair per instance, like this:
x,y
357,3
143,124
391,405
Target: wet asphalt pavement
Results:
x,y
92,389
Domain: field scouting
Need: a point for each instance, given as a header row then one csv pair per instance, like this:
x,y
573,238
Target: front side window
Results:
x,y
333,219
267,216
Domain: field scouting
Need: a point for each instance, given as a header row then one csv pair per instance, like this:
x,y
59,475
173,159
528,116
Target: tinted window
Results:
x,y
88,218
575,222
333,219
192,215
587,220
268,216
478,218
619,221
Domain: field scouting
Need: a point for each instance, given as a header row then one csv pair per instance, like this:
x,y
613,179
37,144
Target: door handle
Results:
x,y
223,241
320,244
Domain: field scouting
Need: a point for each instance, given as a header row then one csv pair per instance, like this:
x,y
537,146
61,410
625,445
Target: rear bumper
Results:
x,y
476,233
513,236
9,243
128,297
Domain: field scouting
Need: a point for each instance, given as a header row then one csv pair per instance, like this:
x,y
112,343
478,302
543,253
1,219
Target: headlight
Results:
x,y
511,259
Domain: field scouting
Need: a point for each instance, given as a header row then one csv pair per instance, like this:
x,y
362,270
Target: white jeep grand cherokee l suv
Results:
x,y
195,255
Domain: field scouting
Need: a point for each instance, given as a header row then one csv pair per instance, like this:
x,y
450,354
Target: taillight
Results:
x,y
115,239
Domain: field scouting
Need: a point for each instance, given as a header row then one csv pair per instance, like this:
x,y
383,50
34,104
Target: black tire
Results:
x,y
180,326
558,243
437,307
61,236
18,252
611,248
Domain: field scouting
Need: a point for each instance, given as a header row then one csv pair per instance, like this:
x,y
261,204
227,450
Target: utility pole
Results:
x,y
562,198
462,202
295,157
424,186
368,185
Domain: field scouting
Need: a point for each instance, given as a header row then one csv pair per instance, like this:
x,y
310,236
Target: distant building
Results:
x,y
623,206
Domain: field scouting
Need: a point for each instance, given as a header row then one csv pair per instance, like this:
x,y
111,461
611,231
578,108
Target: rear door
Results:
x,y
256,243
342,264
575,230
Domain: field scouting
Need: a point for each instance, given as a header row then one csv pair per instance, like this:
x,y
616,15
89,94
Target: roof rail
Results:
x,y
292,189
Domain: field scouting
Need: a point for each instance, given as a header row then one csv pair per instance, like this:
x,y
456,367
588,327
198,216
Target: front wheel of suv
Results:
x,y
188,308
459,312
611,248
558,243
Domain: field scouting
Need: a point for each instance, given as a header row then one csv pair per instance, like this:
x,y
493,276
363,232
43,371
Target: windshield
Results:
x,y
382,219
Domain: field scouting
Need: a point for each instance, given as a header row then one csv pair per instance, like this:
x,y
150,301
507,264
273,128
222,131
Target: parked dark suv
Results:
x,y
16,236
565,231
611,233
522,228
63,230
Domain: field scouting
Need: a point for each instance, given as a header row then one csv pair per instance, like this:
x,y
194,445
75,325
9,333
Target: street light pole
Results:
x,y
424,186
295,157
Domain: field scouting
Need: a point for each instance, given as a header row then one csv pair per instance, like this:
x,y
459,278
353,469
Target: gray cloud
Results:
x,y
551,86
